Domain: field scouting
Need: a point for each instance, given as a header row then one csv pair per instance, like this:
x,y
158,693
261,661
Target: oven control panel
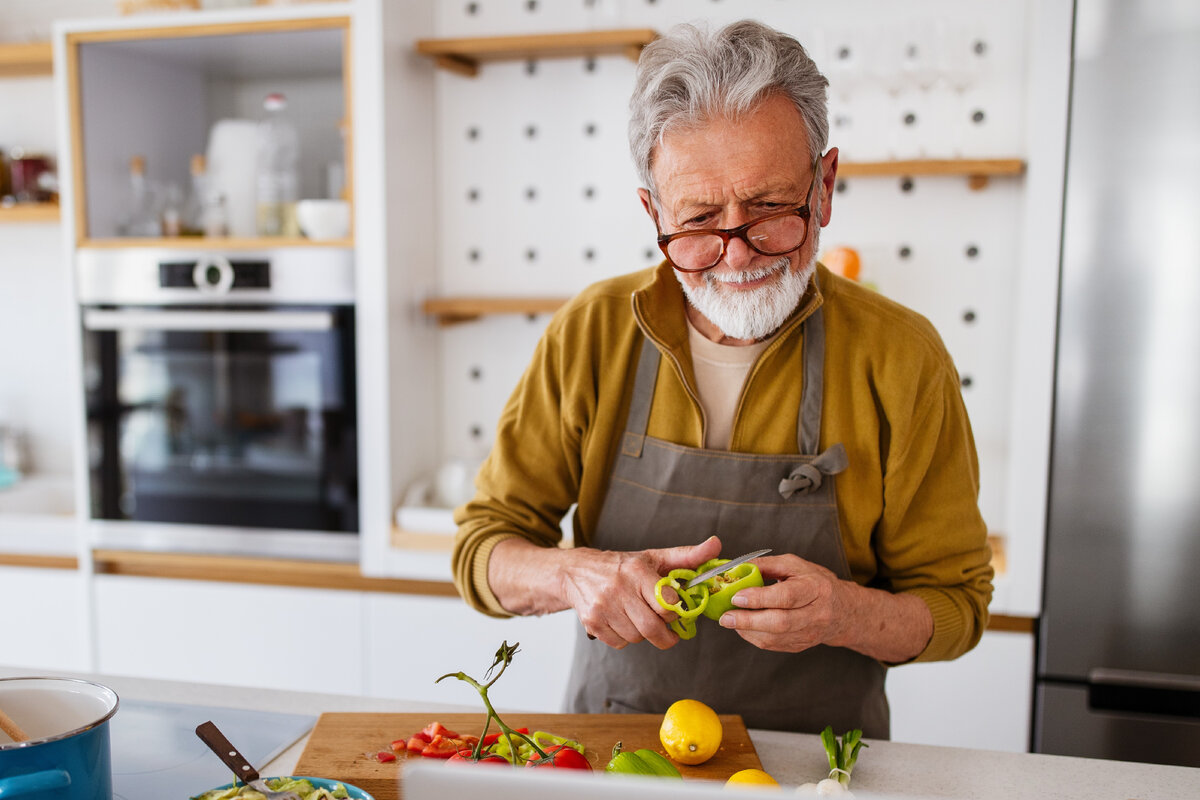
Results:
x,y
215,274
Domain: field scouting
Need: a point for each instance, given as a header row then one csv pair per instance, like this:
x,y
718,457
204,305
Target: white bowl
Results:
x,y
324,219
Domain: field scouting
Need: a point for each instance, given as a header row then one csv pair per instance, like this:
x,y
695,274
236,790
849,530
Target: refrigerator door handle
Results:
x,y
1134,691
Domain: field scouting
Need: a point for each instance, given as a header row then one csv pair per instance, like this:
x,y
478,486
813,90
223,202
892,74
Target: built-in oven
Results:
x,y
220,388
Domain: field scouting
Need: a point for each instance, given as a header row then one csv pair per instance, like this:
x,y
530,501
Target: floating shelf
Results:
x,y
464,56
212,243
29,212
452,310
976,170
25,59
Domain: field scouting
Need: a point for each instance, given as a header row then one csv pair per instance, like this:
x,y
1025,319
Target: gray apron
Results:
x,y
664,495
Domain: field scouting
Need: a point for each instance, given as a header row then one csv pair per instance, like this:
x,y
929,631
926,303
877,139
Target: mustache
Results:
x,y
778,265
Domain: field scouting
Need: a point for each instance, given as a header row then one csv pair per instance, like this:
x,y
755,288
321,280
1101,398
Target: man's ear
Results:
x,y
648,204
829,165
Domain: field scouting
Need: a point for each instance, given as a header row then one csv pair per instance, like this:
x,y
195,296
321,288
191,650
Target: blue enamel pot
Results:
x,y
67,755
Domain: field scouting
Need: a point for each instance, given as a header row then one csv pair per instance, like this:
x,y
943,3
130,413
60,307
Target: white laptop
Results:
x,y
440,781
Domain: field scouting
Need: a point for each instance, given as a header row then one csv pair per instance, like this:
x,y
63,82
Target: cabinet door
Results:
x,y
981,700
49,631
270,636
412,641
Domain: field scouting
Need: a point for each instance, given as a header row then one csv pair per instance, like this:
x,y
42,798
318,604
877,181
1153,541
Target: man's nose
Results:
x,y
738,254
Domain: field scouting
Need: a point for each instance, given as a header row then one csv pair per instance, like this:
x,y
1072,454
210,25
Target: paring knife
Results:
x,y
715,571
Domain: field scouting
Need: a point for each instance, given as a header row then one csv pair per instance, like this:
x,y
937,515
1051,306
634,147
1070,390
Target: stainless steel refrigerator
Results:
x,y
1119,637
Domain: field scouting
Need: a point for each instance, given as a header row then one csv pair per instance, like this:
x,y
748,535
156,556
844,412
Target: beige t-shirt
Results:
x,y
721,371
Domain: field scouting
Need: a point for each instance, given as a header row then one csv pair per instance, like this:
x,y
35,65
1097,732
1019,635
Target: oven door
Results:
x,y
223,415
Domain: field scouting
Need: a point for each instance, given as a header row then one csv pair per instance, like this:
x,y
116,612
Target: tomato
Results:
x,y
417,743
441,747
464,757
563,757
384,756
438,729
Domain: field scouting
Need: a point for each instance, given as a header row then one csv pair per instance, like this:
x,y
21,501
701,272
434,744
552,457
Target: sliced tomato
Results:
x,y
384,756
434,729
416,744
492,738
441,747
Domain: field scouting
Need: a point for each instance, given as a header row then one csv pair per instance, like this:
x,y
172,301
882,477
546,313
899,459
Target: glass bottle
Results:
x,y
192,219
141,217
278,183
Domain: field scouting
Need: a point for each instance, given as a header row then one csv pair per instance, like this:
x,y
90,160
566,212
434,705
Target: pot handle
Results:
x,y
34,782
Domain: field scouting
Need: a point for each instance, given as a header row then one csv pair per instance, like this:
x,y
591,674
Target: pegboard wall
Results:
x,y
536,191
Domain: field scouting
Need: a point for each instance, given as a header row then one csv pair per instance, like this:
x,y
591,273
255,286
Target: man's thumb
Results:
x,y
690,556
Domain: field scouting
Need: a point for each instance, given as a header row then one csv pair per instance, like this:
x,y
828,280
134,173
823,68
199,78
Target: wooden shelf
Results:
x,y
464,56
23,59
210,243
453,310
29,212
977,171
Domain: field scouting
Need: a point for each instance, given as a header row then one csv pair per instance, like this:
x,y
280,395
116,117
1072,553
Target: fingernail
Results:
x,y
726,620
737,601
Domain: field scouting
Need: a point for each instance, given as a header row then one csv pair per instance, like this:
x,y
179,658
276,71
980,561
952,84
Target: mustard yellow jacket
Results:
x,y
907,504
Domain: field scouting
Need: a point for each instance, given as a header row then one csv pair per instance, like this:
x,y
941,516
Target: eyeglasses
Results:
x,y
772,235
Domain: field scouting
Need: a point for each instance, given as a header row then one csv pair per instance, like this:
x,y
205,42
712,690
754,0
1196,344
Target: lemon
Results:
x,y
690,732
751,777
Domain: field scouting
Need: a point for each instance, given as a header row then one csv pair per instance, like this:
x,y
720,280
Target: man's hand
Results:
x,y
809,605
611,591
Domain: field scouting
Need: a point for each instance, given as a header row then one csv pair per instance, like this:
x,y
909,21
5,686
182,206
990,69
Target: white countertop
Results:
x,y
891,768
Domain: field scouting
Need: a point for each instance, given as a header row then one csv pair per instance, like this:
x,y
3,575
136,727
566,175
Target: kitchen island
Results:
x,y
891,768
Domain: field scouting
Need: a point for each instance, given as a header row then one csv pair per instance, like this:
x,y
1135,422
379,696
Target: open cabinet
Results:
x,y
167,94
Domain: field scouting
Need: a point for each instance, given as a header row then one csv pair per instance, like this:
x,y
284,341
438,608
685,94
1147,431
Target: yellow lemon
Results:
x,y
752,777
690,732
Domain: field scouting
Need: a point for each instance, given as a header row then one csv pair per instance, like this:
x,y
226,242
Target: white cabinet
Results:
x,y
271,636
45,619
981,700
414,640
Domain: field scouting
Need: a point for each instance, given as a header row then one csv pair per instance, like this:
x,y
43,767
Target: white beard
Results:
x,y
755,313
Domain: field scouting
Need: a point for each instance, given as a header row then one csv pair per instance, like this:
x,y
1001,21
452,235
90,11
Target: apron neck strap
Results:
x,y
808,419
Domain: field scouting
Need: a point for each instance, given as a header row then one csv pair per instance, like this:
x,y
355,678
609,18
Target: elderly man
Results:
x,y
738,396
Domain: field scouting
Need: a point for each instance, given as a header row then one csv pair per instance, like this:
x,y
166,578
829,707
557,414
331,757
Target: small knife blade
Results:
x,y
715,571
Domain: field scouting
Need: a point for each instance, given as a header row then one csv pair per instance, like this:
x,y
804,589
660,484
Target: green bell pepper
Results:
x,y
691,602
640,762
722,588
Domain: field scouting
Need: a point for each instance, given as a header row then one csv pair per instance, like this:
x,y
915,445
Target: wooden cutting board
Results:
x,y
343,745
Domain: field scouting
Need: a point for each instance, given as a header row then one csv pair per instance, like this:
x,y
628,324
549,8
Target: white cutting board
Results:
x,y
156,755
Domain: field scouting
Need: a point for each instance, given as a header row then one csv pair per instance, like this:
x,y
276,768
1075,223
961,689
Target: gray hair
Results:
x,y
693,74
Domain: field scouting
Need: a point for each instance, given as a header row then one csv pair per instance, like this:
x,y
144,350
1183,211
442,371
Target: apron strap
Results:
x,y
639,405
808,420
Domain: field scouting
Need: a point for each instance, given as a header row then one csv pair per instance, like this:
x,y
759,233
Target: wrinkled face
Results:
x,y
723,174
